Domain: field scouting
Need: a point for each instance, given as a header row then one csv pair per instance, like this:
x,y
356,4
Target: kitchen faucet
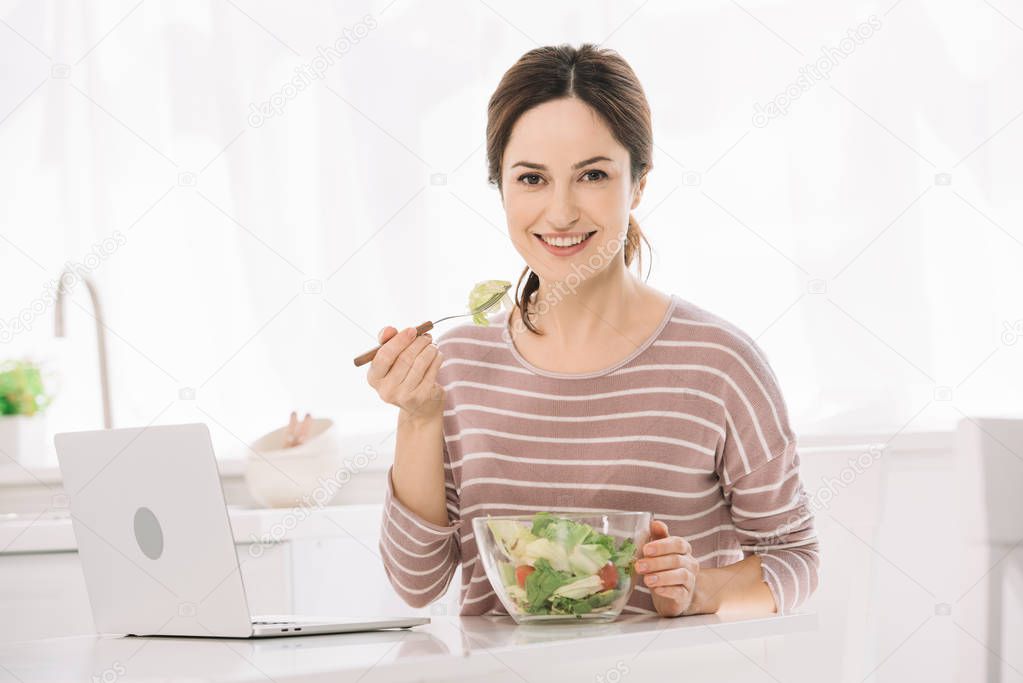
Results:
x,y
101,345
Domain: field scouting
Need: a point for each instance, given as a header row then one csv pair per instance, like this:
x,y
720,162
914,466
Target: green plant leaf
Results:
x,y
21,388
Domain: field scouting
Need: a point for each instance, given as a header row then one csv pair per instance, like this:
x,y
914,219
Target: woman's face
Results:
x,y
564,178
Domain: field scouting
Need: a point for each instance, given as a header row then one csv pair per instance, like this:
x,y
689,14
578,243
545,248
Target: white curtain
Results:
x,y
257,236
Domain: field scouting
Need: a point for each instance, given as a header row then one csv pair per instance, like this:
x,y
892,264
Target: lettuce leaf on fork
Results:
x,y
482,293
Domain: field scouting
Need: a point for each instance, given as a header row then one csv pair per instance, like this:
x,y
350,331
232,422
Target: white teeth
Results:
x,y
563,241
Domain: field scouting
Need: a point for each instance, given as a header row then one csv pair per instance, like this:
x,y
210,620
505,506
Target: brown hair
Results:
x,y
601,79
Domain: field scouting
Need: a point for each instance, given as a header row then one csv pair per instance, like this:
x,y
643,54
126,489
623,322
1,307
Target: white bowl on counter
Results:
x,y
310,474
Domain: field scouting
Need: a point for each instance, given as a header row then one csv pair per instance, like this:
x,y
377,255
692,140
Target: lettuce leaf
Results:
x,y
542,583
483,292
546,549
598,538
588,558
625,554
507,571
541,521
511,537
622,555
565,605
580,588
566,533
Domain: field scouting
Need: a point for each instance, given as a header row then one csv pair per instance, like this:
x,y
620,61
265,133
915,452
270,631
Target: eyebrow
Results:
x,y
576,166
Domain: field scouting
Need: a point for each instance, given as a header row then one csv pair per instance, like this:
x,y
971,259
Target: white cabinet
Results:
x,y
42,595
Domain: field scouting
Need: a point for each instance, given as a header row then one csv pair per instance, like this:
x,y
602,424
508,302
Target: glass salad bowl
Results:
x,y
562,567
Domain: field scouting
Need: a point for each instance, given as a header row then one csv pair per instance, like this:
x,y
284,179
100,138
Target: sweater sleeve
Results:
x,y
758,465
419,556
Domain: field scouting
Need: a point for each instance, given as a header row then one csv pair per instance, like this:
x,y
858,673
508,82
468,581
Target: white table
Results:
x,y
633,648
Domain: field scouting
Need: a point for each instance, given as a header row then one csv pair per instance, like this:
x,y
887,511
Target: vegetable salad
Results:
x,y
559,566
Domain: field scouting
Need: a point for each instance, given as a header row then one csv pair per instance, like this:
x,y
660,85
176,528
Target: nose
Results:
x,y
563,210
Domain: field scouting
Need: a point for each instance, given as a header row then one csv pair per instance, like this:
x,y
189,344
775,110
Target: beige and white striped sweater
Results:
x,y
691,426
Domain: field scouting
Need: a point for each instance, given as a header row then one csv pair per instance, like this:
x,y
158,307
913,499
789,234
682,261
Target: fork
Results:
x,y
428,325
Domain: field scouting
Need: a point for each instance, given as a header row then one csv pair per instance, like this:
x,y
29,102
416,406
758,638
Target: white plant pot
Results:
x,y
23,440
308,475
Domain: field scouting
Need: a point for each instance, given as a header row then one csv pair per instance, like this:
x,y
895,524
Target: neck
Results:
x,y
588,308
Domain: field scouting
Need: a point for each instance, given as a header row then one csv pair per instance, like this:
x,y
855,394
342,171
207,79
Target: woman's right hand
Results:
x,y
404,373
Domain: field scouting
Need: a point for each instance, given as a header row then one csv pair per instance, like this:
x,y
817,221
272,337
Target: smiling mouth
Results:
x,y
565,241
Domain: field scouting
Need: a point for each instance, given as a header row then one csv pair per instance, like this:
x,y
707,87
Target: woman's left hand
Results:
x,y
669,570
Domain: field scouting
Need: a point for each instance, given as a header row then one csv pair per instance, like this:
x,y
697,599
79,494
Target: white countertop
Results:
x,y
448,649
51,531
13,475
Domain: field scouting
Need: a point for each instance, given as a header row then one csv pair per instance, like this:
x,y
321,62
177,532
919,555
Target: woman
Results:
x,y
596,391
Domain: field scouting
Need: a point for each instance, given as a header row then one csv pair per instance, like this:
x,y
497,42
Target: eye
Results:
x,y
600,175
530,175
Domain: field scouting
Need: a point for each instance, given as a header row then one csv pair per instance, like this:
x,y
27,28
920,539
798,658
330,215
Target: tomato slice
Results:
x,y
521,572
609,576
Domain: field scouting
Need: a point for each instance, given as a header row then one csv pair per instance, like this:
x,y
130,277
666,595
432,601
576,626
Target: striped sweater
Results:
x,y
691,426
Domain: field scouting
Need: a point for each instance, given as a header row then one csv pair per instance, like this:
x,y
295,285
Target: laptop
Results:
x,y
155,541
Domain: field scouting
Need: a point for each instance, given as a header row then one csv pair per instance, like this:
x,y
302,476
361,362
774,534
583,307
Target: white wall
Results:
x,y
251,262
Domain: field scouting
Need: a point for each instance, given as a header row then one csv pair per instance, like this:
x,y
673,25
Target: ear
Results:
x,y
637,192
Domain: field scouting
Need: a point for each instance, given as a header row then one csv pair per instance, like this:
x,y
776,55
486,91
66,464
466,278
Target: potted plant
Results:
x,y
23,400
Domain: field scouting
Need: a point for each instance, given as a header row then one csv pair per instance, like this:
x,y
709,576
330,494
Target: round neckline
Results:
x,y
672,305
